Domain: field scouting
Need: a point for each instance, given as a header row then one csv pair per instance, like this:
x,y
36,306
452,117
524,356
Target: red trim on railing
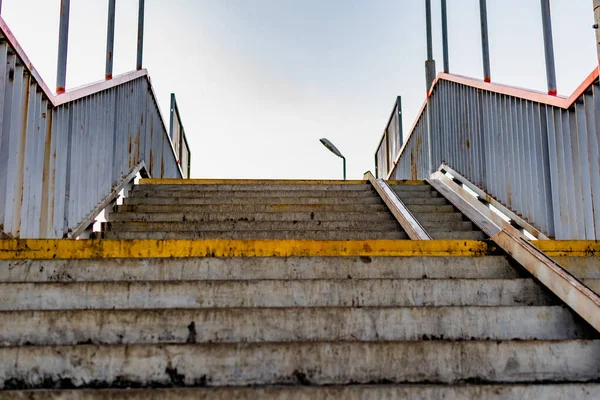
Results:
x,y
531,95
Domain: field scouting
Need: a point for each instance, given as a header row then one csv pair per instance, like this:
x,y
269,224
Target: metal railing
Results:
x,y
536,154
390,142
63,157
179,139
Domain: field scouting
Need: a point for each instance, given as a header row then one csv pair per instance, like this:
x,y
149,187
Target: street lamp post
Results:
x,y
330,146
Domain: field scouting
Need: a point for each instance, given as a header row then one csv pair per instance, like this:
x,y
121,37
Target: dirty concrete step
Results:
x,y
243,208
411,188
448,225
456,235
145,191
429,201
259,235
72,327
233,226
312,363
431,209
346,187
441,217
273,293
255,216
572,391
254,268
148,191
262,200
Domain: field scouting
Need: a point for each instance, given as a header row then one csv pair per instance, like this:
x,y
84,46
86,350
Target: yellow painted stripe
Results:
x,y
173,181
407,182
70,249
565,248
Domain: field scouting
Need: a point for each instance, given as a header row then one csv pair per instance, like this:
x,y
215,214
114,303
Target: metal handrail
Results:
x,y
536,154
62,156
391,140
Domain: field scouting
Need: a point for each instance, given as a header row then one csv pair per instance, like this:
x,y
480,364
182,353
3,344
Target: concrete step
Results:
x,y
410,188
577,391
431,209
255,268
312,363
456,235
440,217
244,208
289,325
255,216
430,201
262,200
347,187
260,235
234,226
448,225
148,191
273,293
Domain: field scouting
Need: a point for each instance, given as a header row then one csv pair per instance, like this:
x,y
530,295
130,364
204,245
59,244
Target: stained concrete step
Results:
x,y
263,200
577,391
255,268
234,226
244,208
259,235
289,325
148,191
456,235
431,209
430,201
273,293
448,225
316,363
411,188
441,217
346,187
255,216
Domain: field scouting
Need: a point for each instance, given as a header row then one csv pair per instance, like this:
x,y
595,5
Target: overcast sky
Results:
x,y
260,81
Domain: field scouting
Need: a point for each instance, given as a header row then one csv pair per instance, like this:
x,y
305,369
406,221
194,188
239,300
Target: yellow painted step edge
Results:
x,y
88,249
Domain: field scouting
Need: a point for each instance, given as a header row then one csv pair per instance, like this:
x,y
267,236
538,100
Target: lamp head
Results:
x,y
331,147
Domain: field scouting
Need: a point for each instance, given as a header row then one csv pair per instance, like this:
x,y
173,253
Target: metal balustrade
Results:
x,y
536,154
390,142
63,158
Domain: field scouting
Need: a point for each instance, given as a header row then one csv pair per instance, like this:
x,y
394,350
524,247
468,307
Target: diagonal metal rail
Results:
x,y
409,223
568,288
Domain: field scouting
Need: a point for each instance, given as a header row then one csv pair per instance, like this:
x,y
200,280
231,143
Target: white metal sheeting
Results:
x,y
537,156
61,156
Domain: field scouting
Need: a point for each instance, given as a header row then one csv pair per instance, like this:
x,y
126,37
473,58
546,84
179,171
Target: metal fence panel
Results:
x,y
536,158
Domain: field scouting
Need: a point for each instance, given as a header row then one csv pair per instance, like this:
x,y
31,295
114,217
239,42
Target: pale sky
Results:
x,y
260,81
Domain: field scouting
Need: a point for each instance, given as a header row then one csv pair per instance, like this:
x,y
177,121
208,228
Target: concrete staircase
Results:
x,y
320,321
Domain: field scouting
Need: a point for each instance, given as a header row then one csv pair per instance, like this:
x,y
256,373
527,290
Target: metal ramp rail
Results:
x,y
64,158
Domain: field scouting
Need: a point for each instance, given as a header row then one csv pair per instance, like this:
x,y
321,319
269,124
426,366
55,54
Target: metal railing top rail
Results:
x,y
81,91
525,94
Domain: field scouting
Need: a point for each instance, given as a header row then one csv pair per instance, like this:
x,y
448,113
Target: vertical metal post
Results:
x,y
344,158
63,44
110,40
445,37
429,63
0,6
485,45
596,25
549,47
140,44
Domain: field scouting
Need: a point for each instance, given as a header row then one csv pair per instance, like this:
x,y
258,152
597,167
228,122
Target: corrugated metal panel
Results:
x,y
57,163
539,159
